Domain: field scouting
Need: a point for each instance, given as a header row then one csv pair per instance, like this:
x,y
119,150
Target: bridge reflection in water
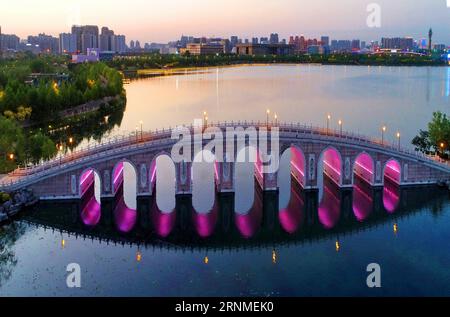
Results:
x,y
303,218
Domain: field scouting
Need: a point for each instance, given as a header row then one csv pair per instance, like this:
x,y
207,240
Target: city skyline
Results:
x,y
156,21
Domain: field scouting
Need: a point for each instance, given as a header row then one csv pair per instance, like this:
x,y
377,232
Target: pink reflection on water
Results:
x,y
91,213
205,223
330,206
125,217
293,216
250,223
163,222
391,196
362,200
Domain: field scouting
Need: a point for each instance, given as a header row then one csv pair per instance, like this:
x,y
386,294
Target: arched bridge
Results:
x,y
314,152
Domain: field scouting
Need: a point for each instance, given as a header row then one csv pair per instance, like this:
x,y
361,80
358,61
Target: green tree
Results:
x,y
439,130
11,142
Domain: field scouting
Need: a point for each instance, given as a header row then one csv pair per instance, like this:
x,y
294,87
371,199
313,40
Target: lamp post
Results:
x,y
276,119
399,140
142,131
442,146
383,131
328,123
205,114
267,120
340,126
60,149
136,133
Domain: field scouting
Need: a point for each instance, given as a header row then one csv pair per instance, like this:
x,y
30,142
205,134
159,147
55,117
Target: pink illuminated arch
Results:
x,y
364,168
331,163
392,172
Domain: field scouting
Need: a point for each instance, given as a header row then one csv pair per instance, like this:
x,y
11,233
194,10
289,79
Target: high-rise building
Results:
x,y
87,37
46,43
325,40
234,40
356,45
120,43
8,42
405,44
274,39
107,40
67,43
255,40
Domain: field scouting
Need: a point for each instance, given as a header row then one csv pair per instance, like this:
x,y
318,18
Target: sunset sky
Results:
x,y
164,20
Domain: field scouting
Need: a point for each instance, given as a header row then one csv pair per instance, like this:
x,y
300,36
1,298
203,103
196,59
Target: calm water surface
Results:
x,y
253,243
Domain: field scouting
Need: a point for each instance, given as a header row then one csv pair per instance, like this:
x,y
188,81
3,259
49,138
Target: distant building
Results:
x,y
120,43
325,40
341,46
107,40
404,44
274,39
67,43
92,55
264,49
234,40
203,49
440,47
356,45
9,42
46,43
87,37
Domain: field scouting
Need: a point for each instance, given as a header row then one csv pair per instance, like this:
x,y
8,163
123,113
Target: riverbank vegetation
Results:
x,y
158,61
34,91
435,140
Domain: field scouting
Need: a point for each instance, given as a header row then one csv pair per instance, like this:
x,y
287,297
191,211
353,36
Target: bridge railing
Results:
x,y
118,143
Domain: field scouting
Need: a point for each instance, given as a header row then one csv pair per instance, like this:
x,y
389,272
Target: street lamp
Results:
x,y
340,126
383,131
268,114
399,140
276,119
328,123
142,132
11,156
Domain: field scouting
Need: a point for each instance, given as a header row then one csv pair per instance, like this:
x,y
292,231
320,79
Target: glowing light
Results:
x,y
395,228
329,117
268,111
11,156
63,243
274,257
206,260
393,167
340,122
70,140
384,128
297,169
138,256
338,246
60,148
118,174
364,168
398,135
216,171
332,168
153,175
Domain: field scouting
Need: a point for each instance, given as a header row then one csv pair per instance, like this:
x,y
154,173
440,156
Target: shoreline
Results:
x,y
158,72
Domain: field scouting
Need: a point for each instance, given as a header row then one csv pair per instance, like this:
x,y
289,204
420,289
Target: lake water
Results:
x,y
262,244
